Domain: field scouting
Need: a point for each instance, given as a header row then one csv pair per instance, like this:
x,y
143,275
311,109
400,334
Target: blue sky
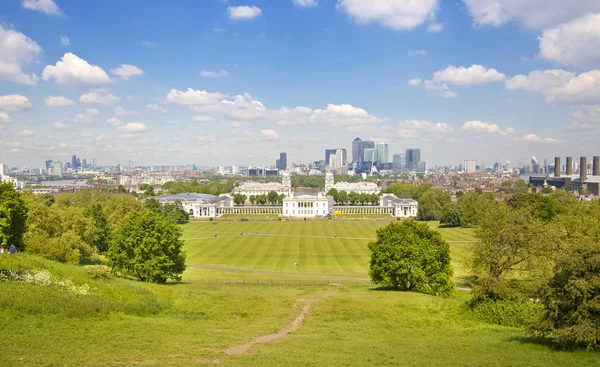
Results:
x,y
235,82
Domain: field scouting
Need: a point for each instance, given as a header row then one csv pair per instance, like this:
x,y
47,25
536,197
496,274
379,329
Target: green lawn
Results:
x,y
126,322
240,216
276,247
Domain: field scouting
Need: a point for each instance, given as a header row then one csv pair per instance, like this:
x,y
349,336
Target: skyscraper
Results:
x,y
357,150
382,152
281,163
398,163
470,166
413,158
367,144
328,152
74,162
370,155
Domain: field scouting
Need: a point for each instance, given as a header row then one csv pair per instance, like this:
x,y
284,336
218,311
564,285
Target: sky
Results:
x,y
235,82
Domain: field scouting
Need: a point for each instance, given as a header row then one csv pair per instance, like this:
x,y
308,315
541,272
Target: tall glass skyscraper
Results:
x,y
382,152
398,163
413,158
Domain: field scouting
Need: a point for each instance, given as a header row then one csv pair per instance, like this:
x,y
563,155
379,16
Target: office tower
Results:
x,y
2,170
413,157
470,166
281,163
84,164
57,168
398,163
382,152
49,164
370,155
557,167
583,167
367,144
596,166
569,166
332,160
342,155
534,161
356,150
328,152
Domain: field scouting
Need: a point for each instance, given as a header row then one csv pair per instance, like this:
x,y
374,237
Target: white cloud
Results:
x,y
87,117
240,124
438,89
65,41
532,138
394,14
435,27
462,76
148,44
585,120
48,7
481,127
133,127
75,71
102,138
25,134
5,118
114,122
126,71
120,111
583,88
305,3
99,98
417,53
156,108
126,136
59,126
243,12
240,108
58,102
16,50
414,82
214,74
14,102
219,30
268,134
426,127
576,43
193,97
204,139
539,81
200,118
533,14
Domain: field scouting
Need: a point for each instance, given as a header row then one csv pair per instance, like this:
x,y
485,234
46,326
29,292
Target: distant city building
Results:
x,y
281,163
370,155
328,153
3,170
57,169
357,150
250,188
199,205
382,153
413,158
358,187
470,166
399,163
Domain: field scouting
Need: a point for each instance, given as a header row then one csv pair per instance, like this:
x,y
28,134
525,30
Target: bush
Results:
x,y
98,271
517,313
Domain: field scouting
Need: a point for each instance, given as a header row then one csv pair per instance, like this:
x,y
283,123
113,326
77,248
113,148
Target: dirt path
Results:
x,y
291,327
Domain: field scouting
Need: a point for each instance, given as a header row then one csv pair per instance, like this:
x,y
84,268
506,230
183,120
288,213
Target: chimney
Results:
x,y
569,166
557,167
596,170
583,169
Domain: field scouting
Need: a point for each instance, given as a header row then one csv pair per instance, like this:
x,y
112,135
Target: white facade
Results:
x,y
470,166
307,206
2,169
403,208
251,188
358,187
197,206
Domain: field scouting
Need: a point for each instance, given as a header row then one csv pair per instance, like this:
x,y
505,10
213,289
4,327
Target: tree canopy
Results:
x,y
410,256
13,217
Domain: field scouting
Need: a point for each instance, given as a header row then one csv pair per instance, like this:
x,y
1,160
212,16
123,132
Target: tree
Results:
x,y
409,256
13,217
432,204
451,216
261,199
333,193
252,199
147,246
147,189
239,199
342,197
353,197
471,206
272,197
175,212
101,232
571,299
153,205
122,189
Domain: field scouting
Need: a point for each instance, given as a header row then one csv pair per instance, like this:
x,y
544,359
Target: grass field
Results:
x,y
272,249
124,322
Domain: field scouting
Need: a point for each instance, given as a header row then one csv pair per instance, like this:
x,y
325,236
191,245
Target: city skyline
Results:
x,y
225,83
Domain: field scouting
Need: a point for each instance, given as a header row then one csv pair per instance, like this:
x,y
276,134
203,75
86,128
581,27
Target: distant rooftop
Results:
x,y
185,197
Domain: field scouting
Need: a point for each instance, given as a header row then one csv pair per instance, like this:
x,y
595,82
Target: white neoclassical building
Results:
x,y
199,205
358,187
307,206
402,208
251,188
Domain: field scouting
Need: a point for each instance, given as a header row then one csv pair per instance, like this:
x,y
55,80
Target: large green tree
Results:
x,y
432,204
147,246
410,256
13,217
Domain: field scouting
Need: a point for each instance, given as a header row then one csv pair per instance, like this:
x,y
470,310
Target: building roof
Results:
x,y
399,201
186,197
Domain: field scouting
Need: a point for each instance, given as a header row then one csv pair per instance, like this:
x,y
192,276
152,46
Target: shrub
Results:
x,y
98,271
514,313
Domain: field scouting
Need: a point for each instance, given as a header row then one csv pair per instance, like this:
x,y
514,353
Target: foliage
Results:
x,y
13,217
101,232
147,189
333,193
451,216
239,199
211,188
432,204
410,256
309,181
571,299
514,313
147,246
174,211
471,207
98,271
342,197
